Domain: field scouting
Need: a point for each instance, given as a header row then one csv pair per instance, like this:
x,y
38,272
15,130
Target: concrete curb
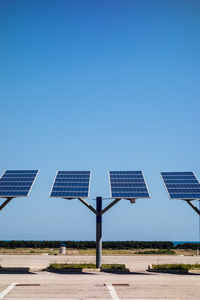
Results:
x,y
174,271
15,270
86,270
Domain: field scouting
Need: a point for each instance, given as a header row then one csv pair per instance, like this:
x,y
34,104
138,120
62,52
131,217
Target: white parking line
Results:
x,y
88,299
7,290
112,292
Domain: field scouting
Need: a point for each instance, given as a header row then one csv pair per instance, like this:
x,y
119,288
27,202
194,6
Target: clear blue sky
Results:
x,y
99,85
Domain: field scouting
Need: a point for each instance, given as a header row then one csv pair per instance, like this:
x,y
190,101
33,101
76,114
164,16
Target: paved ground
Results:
x,y
134,263
139,284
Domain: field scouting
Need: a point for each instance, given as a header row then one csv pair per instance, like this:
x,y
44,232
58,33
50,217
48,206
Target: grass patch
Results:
x,y
28,251
44,251
176,266
105,252
116,252
114,266
65,266
167,251
56,266
35,251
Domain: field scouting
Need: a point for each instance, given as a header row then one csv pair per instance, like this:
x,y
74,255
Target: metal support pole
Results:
x,y
109,206
194,207
5,203
199,231
98,232
88,205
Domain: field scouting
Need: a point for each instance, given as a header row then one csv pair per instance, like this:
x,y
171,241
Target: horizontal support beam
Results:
x,y
194,207
5,203
88,206
109,206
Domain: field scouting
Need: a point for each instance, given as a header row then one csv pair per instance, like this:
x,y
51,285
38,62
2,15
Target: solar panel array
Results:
x,y
17,183
71,184
181,185
128,185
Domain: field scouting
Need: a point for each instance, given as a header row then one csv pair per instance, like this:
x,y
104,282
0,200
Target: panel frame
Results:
x,y
185,199
19,196
70,198
128,198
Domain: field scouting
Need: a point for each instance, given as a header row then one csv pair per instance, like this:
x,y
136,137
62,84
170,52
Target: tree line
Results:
x,y
86,244
191,246
92,244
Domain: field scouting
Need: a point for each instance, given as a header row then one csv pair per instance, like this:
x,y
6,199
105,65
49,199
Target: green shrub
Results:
x,y
113,266
71,266
176,266
171,252
32,251
57,266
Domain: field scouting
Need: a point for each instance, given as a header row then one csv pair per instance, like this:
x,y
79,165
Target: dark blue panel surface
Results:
x,y
128,185
130,176
73,176
6,183
71,184
74,180
76,173
69,195
179,174
130,195
76,184
17,183
176,181
125,173
20,179
69,189
127,179
181,185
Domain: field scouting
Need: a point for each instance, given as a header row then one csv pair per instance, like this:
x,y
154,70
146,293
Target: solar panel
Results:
x,y
71,184
128,185
17,183
181,185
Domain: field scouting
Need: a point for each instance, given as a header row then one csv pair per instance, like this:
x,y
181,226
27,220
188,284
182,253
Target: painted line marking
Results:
x,y
90,298
7,290
112,292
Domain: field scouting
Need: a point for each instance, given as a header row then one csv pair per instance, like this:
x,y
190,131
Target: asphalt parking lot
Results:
x,y
138,284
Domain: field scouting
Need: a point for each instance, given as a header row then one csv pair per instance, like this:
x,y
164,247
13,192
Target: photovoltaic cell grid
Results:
x,y
181,185
71,184
17,183
128,185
